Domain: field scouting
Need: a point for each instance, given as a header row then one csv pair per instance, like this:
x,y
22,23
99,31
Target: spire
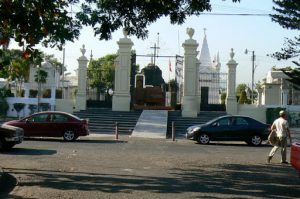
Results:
x,y
205,59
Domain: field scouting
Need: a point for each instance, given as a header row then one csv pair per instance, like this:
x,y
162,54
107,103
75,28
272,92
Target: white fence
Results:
x,y
27,101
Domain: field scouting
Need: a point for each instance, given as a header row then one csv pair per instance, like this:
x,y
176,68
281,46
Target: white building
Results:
x,y
209,75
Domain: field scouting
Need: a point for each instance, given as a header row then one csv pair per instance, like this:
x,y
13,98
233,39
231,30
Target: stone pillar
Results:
x,y
198,89
121,96
231,102
82,76
259,99
26,88
189,103
284,95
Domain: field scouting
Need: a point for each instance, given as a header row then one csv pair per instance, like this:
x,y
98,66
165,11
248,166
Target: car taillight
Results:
x,y
85,121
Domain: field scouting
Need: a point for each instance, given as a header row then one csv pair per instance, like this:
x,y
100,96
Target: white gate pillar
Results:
x,y
82,76
231,102
121,96
189,104
259,99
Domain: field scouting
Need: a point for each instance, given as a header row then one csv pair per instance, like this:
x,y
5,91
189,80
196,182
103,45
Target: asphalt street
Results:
x,y
101,167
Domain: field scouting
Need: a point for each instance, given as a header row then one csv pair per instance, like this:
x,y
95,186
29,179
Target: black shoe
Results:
x,y
285,162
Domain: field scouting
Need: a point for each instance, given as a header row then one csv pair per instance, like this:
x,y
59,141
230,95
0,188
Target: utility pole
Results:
x,y
252,78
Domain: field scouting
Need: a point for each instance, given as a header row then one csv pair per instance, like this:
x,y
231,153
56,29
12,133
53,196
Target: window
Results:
x,y
39,118
59,118
224,122
241,121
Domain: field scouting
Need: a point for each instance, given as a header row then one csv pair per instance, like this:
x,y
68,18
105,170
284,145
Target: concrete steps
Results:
x,y
103,120
151,124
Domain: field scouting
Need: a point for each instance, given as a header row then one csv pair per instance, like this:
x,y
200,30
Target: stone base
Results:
x,y
231,106
189,108
121,103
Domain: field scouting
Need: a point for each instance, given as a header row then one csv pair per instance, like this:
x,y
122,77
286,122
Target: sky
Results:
x,y
255,33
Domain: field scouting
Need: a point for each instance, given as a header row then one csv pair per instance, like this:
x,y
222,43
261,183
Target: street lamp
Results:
x,y
252,80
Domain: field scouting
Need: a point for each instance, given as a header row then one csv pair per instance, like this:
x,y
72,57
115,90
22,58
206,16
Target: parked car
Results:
x,y
230,128
52,124
10,136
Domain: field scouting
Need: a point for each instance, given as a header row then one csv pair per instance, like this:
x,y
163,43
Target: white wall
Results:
x,y
65,105
257,112
25,112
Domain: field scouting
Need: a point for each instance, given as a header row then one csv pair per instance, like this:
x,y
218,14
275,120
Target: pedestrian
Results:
x,y
281,126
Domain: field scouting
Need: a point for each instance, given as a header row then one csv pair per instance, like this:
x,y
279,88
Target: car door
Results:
x,y
37,125
219,129
60,123
240,129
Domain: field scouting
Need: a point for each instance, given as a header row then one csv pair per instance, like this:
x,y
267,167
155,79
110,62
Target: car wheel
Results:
x,y
255,140
9,145
69,135
2,143
203,138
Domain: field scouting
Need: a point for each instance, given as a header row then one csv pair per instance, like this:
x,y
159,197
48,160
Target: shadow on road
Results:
x,y
28,151
216,181
111,141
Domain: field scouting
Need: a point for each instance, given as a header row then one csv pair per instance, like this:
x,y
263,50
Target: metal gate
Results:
x,y
212,86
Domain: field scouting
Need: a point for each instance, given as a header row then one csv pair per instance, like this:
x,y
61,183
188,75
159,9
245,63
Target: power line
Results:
x,y
235,14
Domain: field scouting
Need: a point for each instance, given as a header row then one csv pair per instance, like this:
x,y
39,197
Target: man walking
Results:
x,y
280,125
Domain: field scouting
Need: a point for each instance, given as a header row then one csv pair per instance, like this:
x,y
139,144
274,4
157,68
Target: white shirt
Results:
x,y
281,127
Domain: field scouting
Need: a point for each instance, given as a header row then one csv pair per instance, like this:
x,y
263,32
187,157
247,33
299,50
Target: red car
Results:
x,y
52,124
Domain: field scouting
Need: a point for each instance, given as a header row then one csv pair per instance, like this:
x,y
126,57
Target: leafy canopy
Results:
x,y
288,16
51,23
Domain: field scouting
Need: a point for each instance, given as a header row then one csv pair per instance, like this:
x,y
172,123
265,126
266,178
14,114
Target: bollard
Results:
x,y
173,131
117,130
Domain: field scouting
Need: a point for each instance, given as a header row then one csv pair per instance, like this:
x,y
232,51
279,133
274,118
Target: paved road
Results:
x,y
144,168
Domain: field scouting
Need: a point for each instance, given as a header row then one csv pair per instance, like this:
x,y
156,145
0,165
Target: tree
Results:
x,y
288,16
240,88
153,75
101,73
50,23
40,77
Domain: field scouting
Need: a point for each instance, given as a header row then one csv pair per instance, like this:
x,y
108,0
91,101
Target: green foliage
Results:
x,y
18,107
272,114
101,73
58,94
3,107
223,98
40,76
243,97
153,75
33,22
32,108
5,93
33,93
51,24
288,16
45,106
240,88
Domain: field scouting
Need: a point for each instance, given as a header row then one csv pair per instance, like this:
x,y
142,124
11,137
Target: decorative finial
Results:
x,y
83,50
91,57
125,33
190,32
231,54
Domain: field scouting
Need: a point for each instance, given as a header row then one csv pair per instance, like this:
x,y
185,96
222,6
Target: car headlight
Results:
x,y
193,129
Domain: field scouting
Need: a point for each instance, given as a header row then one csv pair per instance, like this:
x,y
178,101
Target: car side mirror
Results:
x,y
27,121
214,124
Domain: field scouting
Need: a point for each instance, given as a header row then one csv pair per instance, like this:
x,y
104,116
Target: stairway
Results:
x,y
102,120
182,123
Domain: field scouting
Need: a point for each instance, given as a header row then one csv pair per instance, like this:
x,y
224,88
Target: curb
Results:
x,y
1,175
